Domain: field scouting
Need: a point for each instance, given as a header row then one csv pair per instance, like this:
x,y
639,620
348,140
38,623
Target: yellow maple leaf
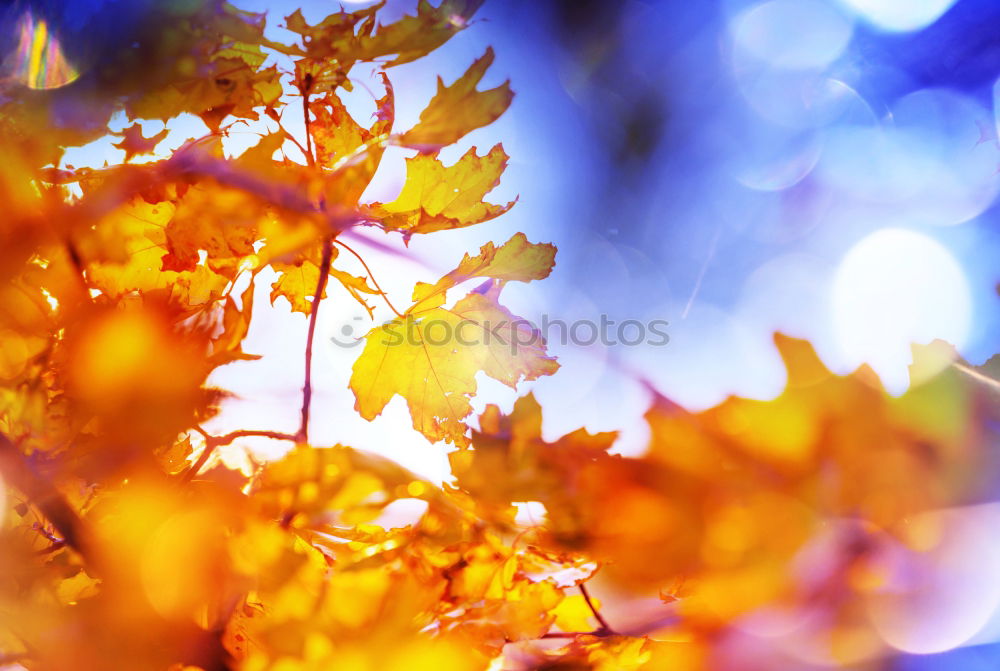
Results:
x,y
298,279
436,197
130,244
458,109
430,355
351,152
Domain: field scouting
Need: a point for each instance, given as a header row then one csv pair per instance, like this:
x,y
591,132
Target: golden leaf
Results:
x,y
458,109
436,197
430,355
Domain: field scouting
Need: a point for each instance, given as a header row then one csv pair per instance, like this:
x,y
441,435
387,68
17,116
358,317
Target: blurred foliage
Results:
x,y
123,287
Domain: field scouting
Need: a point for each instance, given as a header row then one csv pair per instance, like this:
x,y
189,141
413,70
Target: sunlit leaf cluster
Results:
x,y
122,288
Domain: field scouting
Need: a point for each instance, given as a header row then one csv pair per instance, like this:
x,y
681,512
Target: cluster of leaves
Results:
x,y
120,549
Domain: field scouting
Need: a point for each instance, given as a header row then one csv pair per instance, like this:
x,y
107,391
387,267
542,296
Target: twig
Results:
x,y
251,433
310,158
55,547
212,442
605,627
295,141
371,276
602,632
20,473
324,274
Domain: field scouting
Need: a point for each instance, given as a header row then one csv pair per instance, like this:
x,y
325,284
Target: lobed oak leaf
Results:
x,y
436,197
296,283
458,109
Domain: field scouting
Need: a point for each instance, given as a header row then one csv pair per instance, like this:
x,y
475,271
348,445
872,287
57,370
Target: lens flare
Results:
x,y
40,62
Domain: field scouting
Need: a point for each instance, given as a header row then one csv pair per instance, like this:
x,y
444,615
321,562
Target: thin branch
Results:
x,y
212,442
593,609
305,118
19,472
641,630
574,634
55,547
324,274
251,433
371,276
295,141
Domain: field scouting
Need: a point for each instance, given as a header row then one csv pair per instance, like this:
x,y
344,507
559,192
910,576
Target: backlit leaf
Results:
x,y
437,197
458,109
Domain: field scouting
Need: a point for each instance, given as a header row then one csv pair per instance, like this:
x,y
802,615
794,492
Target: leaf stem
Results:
x,y
371,276
296,142
324,275
605,627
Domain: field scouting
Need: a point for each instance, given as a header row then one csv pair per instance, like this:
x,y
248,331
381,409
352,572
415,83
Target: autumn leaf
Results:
x,y
228,345
516,260
356,35
431,354
437,197
298,279
336,35
129,246
352,153
321,488
412,37
419,357
458,109
140,530
511,462
223,223
135,143
214,68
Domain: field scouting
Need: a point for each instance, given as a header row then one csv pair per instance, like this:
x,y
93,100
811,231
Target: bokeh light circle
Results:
x,y
892,289
792,34
899,15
